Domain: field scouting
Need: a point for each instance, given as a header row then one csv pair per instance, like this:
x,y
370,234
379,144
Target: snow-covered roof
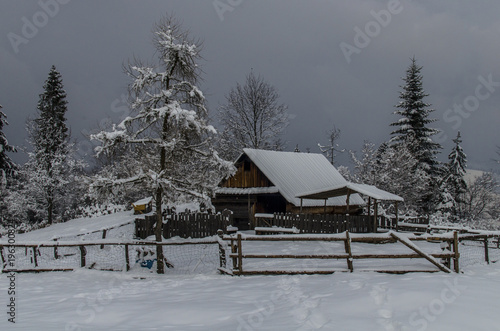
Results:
x,y
293,173
249,190
368,190
141,202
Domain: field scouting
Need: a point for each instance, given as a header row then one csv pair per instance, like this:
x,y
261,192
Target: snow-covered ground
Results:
x,y
97,300
76,227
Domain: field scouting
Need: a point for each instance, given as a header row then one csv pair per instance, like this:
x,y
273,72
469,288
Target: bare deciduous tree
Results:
x,y
481,196
252,117
332,147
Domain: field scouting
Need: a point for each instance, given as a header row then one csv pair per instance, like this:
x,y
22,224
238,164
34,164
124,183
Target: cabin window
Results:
x,y
246,166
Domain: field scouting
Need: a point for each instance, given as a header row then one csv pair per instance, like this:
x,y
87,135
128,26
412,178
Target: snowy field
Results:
x,y
69,230
193,296
98,300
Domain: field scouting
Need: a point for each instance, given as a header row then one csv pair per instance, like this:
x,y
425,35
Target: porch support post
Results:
x,y
249,212
324,209
347,201
369,209
375,202
397,215
301,205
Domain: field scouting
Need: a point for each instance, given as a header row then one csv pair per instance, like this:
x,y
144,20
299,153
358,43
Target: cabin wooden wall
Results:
x,y
247,175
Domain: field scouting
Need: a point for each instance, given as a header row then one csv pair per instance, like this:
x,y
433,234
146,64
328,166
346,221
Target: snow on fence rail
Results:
x,y
447,251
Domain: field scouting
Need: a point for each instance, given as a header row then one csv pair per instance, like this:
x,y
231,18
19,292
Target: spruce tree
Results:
x,y
413,131
49,136
453,181
7,166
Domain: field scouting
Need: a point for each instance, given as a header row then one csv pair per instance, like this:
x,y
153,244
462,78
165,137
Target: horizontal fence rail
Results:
x,y
228,253
237,256
180,257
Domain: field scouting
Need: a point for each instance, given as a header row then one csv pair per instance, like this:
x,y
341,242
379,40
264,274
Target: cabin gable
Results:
x,y
248,175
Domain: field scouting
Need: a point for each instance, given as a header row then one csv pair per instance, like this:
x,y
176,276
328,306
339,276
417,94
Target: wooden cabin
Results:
x,y
269,182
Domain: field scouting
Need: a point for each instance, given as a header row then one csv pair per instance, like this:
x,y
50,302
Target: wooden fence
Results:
x,y
483,240
32,251
413,224
237,255
185,225
319,223
230,253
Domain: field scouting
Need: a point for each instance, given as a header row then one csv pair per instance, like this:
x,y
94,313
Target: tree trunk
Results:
x,y
50,207
159,222
160,267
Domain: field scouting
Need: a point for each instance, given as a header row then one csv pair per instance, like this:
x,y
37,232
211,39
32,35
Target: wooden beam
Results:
x,y
83,252
486,254
397,215
347,201
240,255
347,244
290,256
420,252
288,272
127,260
455,251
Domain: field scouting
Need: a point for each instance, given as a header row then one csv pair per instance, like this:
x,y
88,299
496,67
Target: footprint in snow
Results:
x,y
356,285
379,294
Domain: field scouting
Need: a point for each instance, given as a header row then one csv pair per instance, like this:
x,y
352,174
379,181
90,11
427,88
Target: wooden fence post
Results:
x,y
455,250
4,261
348,251
83,253
127,259
233,251
34,257
240,258
56,254
103,236
222,251
486,253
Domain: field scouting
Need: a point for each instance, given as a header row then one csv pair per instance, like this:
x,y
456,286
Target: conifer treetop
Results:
x,y
412,126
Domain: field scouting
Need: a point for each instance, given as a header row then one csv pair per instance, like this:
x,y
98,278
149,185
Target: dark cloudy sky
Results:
x,y
325,69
